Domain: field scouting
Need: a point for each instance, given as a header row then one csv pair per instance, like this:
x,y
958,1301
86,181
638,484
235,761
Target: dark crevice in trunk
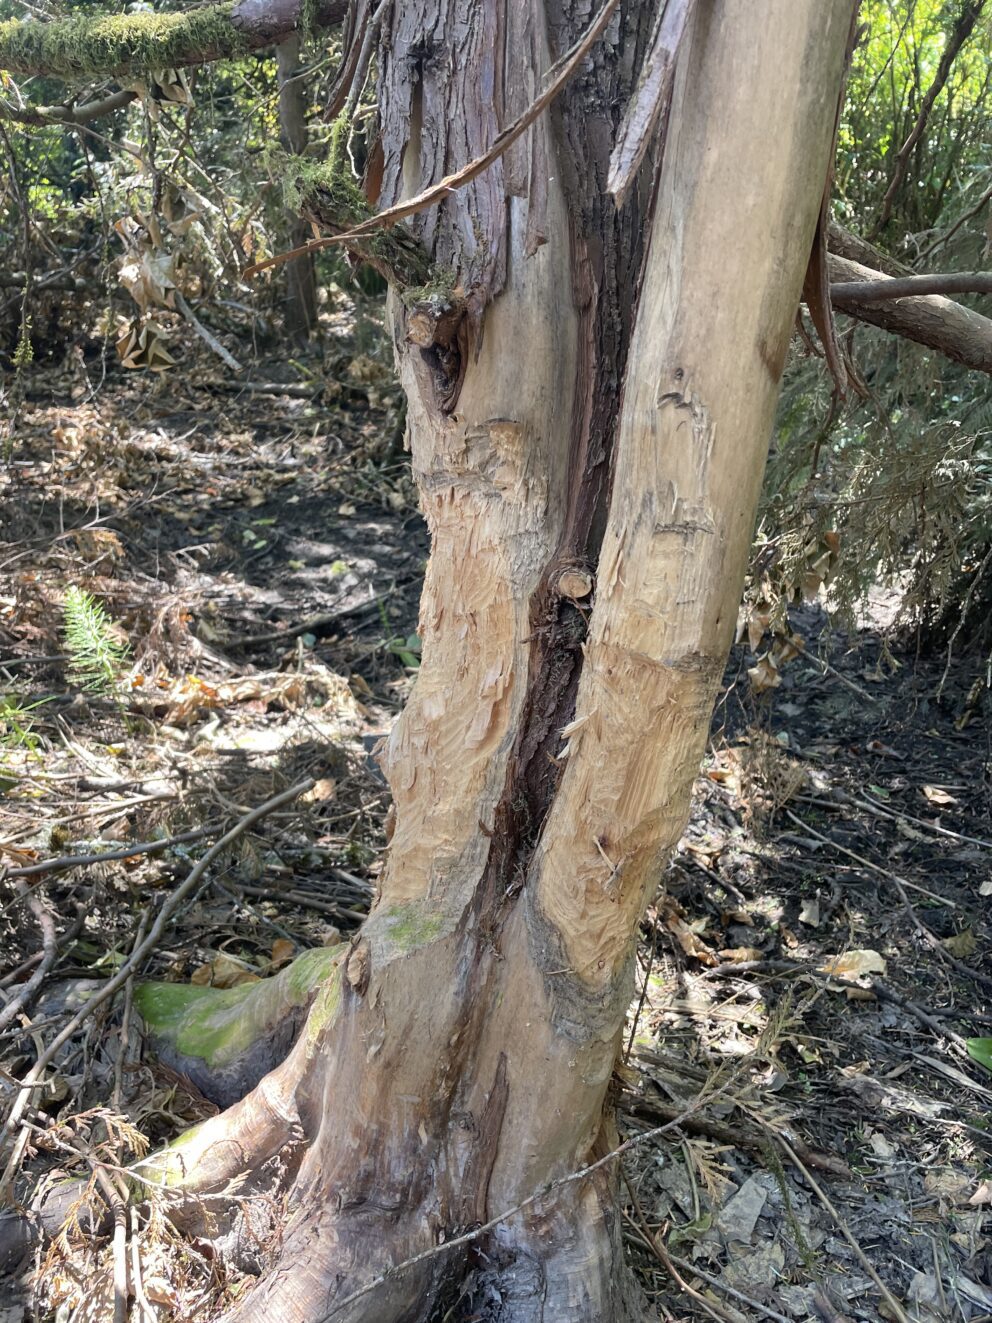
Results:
x,y
607,258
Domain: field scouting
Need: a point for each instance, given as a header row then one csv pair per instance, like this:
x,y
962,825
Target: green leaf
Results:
x,y
980,1050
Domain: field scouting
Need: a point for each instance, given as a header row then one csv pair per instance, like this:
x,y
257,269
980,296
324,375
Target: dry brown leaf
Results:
x,y
740,955
961,945
764,674
224,971
282,952
322,791
142,346
853,964
938,796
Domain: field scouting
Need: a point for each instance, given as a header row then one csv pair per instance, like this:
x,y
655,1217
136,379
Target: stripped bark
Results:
x,y
590,495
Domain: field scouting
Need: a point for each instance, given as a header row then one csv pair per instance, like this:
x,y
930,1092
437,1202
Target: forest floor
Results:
x,y
808,976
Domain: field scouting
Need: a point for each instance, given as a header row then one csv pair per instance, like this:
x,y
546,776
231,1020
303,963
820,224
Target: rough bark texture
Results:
x,y
300,276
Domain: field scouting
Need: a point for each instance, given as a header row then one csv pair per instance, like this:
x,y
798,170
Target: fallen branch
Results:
x,y
896,1310
49,954
208,338
900,884
653,1109
931,320
61,862
891,287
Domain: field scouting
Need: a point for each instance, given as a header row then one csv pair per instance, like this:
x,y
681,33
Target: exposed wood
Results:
x,y
696,420
931,320
455,1071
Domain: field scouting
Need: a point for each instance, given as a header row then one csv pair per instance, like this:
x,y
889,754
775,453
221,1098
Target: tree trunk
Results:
x,y
590,484
300,317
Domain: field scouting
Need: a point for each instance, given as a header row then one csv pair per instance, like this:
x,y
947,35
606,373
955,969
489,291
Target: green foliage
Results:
x,y
891,72
16,722
407,649
96,656
24,353
980,1050
899,480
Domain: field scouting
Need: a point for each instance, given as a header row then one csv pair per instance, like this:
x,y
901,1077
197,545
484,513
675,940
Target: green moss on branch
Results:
x,y
219,1024
115,45
326,193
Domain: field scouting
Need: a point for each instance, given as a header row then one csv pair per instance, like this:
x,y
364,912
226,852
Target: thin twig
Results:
x,y
64,861
800,647
33,1078
653,1243
900,885
727,1290
963,220
46,959
897,1310
50,951
125,1034
364,59
899,882
935,827
208,337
